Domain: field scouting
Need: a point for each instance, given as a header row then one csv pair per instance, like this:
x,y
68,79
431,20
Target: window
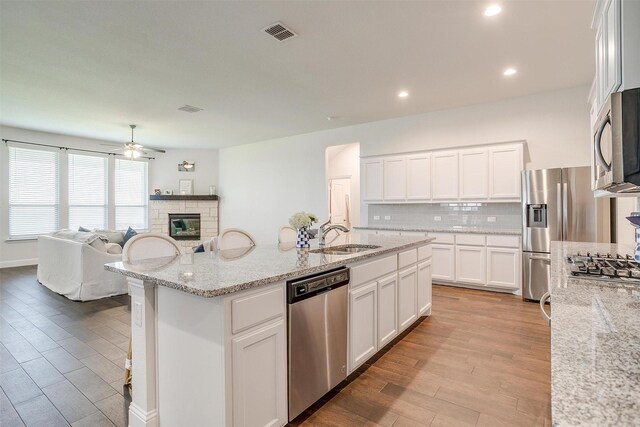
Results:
x,y
34,202
131,194
87,191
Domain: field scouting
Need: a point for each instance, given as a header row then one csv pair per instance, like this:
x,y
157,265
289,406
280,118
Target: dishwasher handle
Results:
x,y
543,300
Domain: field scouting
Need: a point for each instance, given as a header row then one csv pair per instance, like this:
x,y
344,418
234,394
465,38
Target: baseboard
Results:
x,y
19,263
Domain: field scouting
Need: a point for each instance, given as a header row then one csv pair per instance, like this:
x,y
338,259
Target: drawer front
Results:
x,y
503,241
407,258
471,239
443,238
424,252
364,273
258,307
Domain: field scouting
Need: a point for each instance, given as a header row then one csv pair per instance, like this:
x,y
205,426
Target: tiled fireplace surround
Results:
x,y
208,210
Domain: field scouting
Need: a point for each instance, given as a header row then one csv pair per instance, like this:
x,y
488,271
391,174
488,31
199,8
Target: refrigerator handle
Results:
x,y
565,208
559,212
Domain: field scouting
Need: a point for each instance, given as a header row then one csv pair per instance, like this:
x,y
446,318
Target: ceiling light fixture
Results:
x,y
492,10
510,72
403,94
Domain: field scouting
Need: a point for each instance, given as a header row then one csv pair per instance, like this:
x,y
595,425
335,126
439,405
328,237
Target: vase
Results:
x,y
302,239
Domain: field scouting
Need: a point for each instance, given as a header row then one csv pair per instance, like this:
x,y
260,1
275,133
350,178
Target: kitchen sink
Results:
x,y
344,249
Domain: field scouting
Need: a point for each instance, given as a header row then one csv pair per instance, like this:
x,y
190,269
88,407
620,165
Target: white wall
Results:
x,y
344,161
163,173
262,184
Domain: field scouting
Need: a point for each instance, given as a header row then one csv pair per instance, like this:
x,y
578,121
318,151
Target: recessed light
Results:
x,y
510,71
492,10
403,94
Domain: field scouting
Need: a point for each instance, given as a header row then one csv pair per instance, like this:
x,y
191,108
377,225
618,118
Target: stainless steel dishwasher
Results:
x,y
317,336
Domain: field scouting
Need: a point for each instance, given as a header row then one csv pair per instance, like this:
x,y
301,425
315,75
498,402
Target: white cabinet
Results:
x,y
395,179
503,267
445,175
419,176
259,377
407,294
372,179
424,288
474,174
363,324
443,262
471,264
505,166
616,47
387,309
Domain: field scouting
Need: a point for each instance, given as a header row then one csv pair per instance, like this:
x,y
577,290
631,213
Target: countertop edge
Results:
x,y
268,280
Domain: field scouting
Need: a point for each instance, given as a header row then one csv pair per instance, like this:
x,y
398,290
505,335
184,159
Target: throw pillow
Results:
x,y
129,234
85,229
112,236
200,248
114,248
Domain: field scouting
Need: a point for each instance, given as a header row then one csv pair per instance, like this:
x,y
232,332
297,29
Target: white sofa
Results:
x,y
76,270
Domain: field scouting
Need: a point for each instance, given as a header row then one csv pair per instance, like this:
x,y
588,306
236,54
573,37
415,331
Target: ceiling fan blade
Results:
x,y
157,150
111,145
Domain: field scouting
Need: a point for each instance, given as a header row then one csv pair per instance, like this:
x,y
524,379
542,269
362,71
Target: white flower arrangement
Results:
x,y
302,219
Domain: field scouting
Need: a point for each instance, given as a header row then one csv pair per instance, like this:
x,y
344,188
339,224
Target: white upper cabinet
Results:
x,y
505,167
372,179
445,175
616,47
474,174
395,178
482,174
419,176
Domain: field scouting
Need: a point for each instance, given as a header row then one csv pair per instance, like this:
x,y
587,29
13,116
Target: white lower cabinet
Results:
x,y
503,268
471,264
407,293
443,265
424,288
387,309
363,321
259,377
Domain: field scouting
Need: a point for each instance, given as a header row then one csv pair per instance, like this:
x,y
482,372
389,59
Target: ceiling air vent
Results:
x,y
190,109
279,32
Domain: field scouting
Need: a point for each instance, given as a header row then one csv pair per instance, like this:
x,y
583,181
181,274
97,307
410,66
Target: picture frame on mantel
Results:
x,y
185,187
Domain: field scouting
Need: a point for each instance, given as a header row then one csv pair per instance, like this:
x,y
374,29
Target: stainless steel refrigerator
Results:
x,y
557,204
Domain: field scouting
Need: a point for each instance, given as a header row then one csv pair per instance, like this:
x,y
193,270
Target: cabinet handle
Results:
x,y
544,299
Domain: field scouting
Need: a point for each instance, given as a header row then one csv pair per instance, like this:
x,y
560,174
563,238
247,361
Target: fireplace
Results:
x,y
184,226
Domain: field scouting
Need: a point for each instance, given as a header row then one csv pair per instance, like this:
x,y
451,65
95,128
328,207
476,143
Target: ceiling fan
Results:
x,y
132,149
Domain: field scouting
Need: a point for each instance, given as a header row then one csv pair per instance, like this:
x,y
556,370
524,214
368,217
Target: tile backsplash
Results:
x,y
486,215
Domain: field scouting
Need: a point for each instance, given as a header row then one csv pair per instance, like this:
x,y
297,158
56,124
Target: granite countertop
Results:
x,y
452,229
595,344
211,274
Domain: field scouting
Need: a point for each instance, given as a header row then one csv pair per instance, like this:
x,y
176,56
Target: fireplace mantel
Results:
x,y
182,197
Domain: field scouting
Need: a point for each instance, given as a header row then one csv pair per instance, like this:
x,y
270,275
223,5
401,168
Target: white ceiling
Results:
x,y
91,68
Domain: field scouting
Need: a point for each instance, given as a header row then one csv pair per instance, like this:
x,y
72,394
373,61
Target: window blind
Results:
x,y
131,197
34,206
87,191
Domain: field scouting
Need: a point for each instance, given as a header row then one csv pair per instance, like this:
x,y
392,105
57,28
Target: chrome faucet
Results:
x,y
323,230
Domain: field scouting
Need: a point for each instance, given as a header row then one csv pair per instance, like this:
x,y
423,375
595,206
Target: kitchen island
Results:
x,y
209,330
595,343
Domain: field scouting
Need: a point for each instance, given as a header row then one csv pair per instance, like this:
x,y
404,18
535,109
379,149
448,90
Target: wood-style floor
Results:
x,y
481,359
61,361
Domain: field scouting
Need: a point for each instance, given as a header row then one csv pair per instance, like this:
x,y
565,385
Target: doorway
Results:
x,y
340,201
343,184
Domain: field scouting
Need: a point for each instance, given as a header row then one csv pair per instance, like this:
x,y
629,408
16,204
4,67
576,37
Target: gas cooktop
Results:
x,y
605,266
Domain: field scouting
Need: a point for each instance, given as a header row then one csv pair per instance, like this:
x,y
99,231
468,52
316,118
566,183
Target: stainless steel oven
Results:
x,y
616,144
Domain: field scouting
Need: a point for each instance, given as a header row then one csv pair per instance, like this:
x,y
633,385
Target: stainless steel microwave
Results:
x,y
616,144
